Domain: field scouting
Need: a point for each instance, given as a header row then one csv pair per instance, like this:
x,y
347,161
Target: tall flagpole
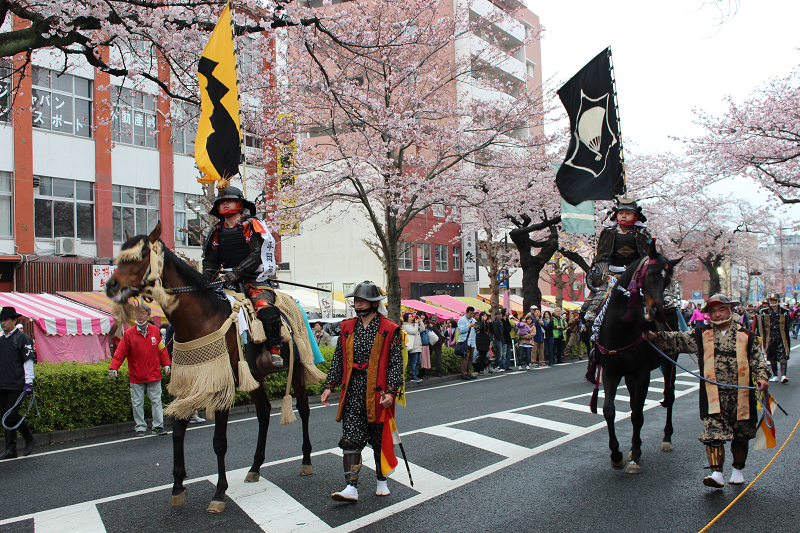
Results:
x,y
239,96
619,126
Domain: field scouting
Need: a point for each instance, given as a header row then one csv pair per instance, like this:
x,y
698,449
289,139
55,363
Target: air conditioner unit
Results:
x,y
67,246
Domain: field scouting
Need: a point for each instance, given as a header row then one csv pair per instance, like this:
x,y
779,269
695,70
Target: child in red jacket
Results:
x,y
146,354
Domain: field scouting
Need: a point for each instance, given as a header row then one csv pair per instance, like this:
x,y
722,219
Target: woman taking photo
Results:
x,y
411,327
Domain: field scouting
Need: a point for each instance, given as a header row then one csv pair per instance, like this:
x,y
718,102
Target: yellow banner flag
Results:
x,y
218,145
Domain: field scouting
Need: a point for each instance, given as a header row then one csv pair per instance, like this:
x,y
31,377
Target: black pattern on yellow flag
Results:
x,y
218,144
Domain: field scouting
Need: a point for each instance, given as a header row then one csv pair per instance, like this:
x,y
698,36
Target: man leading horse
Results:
x,y
729,354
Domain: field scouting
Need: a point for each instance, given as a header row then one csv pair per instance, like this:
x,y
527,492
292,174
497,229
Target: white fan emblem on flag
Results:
x,y
590,129
592,124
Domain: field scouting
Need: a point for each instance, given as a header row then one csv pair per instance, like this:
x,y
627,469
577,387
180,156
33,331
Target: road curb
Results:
x,y
68,435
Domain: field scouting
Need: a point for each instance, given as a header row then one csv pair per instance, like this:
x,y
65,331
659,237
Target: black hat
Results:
x,y
368,291
232,193
628,204
9,312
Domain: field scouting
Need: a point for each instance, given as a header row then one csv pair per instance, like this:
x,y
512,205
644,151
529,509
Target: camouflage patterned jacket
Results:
x,y
725,360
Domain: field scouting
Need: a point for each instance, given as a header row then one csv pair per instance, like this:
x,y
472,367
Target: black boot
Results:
x,y
11,445
30,440
271,320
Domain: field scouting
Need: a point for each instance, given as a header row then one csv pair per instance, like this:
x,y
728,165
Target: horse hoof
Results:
x,y
252,477
617,466
666,447
180,499
306,470
633,468
216,507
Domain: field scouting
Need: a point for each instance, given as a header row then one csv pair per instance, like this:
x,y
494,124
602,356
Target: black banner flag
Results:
x,y
592,169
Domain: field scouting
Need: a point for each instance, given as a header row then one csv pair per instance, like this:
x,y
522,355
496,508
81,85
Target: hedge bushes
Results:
x,y
77,395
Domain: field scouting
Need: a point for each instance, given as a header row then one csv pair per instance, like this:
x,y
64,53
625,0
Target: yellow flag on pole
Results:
x,y
218,147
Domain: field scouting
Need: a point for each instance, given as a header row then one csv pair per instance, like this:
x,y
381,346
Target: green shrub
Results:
x,y
77,395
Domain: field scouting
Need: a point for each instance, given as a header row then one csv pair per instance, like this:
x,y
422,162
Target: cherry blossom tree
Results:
x,y
140,39
394,128
759,138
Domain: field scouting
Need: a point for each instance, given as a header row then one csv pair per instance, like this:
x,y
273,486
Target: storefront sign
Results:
x,y
100,274
470,250
325,300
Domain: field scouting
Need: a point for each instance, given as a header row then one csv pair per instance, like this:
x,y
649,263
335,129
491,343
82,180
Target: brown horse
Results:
x,y
194,315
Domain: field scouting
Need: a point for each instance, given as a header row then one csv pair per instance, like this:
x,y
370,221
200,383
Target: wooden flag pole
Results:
x,y
619,125
239,101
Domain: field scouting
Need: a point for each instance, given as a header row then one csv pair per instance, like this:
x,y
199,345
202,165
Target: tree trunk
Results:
x,y
532,265
392,275
713,264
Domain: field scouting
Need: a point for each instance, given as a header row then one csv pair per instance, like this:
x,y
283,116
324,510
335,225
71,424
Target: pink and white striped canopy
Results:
x,y
58,316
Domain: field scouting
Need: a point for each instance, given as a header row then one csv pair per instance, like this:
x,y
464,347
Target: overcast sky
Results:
x,y
671,56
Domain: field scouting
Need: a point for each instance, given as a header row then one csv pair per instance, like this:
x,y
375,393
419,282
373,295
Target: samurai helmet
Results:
x,y
233,193
717,299
774,296
629,204
367,290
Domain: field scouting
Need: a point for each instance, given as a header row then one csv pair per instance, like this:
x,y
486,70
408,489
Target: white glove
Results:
x,y
112,374
167,369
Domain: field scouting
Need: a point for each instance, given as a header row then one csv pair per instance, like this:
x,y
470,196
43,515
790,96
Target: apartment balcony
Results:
x,y
489,11
490,54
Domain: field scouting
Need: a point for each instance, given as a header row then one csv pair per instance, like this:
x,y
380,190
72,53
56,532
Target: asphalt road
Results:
x,y
517,451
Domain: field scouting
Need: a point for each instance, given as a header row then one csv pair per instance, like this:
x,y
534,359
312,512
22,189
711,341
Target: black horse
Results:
x,y
635,304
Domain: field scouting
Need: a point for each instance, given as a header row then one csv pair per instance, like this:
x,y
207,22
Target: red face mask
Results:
x,y
631,223
235,209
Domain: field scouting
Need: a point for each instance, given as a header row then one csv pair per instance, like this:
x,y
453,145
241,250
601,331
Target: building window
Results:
x,y
134,211
456,258
441,257
61,103
64,208
5,204
424,257
5,90
184,130
438,210
133,119
188,224
405,256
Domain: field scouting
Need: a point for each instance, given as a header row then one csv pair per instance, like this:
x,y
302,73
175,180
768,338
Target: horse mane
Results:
x,y
132,250
192,277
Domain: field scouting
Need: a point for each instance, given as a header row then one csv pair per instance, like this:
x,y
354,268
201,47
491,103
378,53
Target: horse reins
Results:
x,y
33,404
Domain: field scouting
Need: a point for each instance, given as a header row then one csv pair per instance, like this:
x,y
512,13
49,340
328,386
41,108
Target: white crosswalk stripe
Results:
x,y
273,509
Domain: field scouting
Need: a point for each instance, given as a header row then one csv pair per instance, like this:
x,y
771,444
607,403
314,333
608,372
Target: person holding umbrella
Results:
x,y
16,378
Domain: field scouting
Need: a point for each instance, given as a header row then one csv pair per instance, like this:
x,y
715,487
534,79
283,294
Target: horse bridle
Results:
x,y
155,270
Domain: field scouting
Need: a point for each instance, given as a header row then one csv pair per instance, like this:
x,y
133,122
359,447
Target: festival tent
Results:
x,y
416,305
63,330
474,302
569,306
516,304
447,302
309,301
99,300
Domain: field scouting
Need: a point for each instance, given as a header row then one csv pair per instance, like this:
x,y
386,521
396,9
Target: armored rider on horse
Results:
x,y
621,243
242,248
